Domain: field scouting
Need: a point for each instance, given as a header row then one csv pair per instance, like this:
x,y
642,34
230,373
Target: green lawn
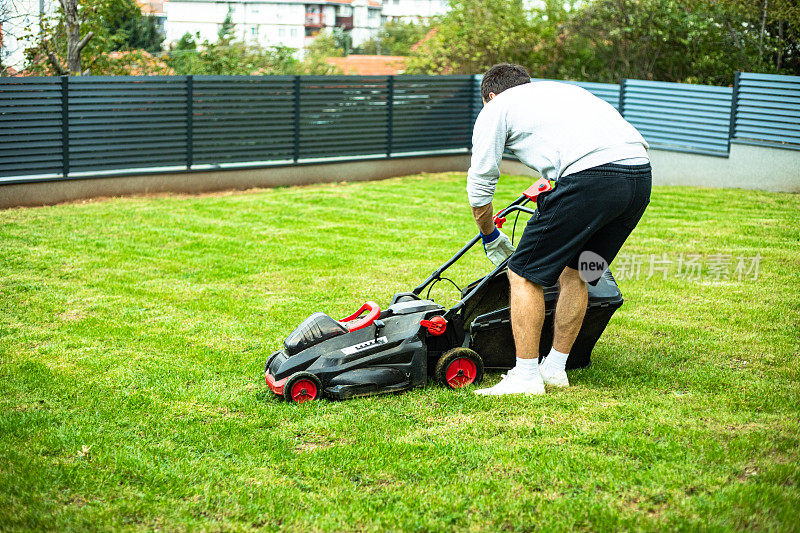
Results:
x,y
133,334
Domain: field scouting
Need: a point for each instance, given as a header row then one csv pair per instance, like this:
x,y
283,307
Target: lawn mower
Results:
x,y
378,350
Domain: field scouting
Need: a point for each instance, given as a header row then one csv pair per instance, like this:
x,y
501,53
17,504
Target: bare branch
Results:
x,y
53,59
84,41
55,63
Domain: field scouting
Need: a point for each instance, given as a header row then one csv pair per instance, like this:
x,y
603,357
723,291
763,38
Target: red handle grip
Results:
x,y
353,322
498,220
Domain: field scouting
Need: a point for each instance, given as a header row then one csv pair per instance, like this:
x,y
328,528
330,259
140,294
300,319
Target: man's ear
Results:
x,y
491,95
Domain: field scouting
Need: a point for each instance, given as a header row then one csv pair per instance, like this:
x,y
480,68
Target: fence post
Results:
x,y
623,86
296,118
734,108
390,116
65,126
473,87
189,121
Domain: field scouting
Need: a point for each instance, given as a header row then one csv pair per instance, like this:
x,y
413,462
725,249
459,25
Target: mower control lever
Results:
x,y
436,326
533,192
353,323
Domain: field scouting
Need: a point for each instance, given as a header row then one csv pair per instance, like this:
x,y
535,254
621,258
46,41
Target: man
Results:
x,y
602,173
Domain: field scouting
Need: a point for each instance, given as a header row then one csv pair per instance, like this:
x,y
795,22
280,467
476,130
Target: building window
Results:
x,y
254,30
293,32
281,32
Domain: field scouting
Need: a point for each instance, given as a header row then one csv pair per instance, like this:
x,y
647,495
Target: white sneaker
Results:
x,y
556,378
514,383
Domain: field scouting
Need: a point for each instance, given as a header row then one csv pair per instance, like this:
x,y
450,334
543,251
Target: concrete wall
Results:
x,y
747,167
54,192
750,167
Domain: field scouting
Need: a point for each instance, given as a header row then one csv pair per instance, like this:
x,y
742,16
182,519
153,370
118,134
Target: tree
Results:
x,y
695,41
692,41
226,31
324,45
777,23
342,40
75,43
83,33
395,39
474,35
232,57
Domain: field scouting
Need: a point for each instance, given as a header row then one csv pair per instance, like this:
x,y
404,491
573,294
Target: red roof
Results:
x,y
369,65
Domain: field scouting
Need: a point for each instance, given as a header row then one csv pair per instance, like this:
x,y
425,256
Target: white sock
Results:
x,y
527,367
555,361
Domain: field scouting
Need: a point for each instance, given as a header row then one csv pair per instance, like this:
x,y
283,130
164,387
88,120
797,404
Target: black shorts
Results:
x,y
592,210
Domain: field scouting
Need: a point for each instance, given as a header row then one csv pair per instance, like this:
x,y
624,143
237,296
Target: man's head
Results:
x,y
501,77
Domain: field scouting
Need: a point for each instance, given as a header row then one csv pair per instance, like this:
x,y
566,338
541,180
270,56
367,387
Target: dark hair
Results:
x,y
501,77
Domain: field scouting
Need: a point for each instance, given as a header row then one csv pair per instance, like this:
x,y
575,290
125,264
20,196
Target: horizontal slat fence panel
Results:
x,y
51,127
606,91
343,115
430,114
238,119
119,122
768,109
31,126
679,116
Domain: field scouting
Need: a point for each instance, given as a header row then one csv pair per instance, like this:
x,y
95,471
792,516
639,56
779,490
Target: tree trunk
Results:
x,y
761,35
74,42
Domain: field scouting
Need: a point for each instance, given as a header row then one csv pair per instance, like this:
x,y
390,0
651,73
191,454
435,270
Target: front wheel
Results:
x,y
302,387
458,368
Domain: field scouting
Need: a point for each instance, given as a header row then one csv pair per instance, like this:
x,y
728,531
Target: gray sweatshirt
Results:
x,y
555,128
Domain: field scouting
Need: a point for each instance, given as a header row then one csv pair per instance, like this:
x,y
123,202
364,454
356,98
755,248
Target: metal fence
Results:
x,y
767,109
679,116
78,126
53,128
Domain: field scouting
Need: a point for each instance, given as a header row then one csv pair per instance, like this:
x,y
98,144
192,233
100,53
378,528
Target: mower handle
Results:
x,y
374,313
516,205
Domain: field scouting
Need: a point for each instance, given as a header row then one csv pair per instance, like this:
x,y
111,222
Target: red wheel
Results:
x,y
458,368
460,372
302,387
303,390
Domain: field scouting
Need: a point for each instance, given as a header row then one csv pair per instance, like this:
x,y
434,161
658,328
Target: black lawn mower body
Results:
x,y
415,338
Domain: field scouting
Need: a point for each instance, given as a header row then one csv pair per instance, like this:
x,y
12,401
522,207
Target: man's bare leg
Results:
x,y
570,310
527,317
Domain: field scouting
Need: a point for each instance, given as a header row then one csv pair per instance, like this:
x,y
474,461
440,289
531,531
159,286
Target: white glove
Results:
x,y
497,246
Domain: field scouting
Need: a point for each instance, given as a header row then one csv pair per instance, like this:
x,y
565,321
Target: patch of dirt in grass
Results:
x,y
73,315
77,500
650,507
441,428
306,441
310,446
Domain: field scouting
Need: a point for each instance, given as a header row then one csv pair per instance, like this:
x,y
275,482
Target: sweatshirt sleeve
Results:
x,y
488,143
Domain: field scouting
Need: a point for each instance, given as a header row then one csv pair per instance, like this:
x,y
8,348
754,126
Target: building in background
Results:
x,y
156,9
19,23
413,10
273,22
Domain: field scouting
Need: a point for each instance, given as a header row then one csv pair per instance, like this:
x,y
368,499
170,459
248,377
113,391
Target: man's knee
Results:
x,y
518,283
571,278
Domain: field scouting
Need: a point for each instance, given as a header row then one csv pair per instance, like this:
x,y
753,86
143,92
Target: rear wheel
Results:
x,y
302,387
458,368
